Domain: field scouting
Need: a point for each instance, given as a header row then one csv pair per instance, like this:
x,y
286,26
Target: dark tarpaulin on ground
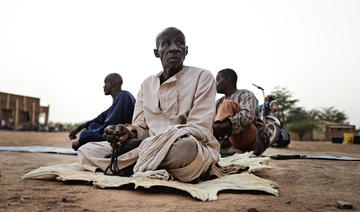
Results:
x,y
43,149
317,157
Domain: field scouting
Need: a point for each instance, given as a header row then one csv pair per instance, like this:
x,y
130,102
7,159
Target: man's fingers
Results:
x,y
116,133
110,137
124,137
121,129
110,129
105,136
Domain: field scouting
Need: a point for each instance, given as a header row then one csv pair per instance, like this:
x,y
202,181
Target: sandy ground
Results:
x,y
305,185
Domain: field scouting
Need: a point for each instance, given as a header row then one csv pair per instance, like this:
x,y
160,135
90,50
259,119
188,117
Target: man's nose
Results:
x,y
173,47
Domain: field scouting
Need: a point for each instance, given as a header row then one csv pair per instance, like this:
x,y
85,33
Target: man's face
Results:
x,y
172,49
107,86
221,83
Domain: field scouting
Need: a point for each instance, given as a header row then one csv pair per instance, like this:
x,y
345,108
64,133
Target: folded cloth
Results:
x,y
227,109
153,150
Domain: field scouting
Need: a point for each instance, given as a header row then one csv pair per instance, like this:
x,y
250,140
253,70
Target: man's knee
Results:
x,y
82,155
81,152
88,136
244,140
181,153
86,150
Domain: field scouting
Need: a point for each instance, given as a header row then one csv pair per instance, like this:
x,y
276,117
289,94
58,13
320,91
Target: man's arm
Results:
x,y
248,106
72,134
203,111
99,119
222,128
139,126
120,111
115,134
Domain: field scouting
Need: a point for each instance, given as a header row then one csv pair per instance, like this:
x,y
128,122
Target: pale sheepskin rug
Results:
x,y
206,190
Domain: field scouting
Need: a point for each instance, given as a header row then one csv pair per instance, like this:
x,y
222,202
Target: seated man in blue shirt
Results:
x,y
120,112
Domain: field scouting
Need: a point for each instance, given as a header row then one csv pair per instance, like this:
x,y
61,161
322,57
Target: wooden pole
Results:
x,y
47,115
16,112
7,101
25,109
33,113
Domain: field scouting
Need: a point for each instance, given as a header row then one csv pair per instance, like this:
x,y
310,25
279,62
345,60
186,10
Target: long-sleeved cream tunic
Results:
x,y
188,97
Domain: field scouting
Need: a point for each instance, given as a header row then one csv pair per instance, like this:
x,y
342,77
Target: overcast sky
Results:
x,y
61,51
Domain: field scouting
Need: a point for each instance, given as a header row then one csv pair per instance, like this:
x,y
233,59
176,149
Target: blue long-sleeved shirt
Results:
x,y
120,112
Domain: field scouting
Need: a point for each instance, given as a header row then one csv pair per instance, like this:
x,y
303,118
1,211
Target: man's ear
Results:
x,y
111,84
156,53
186,50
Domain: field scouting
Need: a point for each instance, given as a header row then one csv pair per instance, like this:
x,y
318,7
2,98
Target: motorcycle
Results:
x,y
271,122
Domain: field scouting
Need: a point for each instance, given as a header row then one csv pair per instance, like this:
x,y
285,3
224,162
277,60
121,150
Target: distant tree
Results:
x,y
285,103
298,114
300,121
301,127
315,114
332,114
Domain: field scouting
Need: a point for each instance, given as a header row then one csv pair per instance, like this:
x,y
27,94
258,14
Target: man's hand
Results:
x,y
75,131
222,128
115,134
72,135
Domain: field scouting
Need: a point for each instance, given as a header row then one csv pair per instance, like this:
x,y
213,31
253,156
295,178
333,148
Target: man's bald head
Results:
x,y
226,81
230,75
113,83
115,78
168,31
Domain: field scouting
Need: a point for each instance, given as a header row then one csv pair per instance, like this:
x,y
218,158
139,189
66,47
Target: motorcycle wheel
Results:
x,y
274,129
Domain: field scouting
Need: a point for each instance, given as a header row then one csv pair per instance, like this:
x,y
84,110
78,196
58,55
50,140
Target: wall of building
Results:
x,y
325,131
338,131
296,137
17,110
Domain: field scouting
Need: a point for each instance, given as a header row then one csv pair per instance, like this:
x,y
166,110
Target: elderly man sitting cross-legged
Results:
x,y
173,117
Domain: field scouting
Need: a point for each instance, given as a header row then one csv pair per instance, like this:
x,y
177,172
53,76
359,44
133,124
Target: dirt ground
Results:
x,y
305,185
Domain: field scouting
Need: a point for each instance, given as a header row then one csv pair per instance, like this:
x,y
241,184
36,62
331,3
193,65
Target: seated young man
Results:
x,y
120,112
237,125
173,115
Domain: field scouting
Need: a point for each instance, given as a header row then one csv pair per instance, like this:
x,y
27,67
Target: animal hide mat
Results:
x,y
205,190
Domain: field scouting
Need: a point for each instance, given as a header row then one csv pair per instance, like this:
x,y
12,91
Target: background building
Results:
x,y
325,131
18,111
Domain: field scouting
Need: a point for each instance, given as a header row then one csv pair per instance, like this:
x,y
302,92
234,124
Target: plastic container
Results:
x,y
337,140
349,138
356,139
